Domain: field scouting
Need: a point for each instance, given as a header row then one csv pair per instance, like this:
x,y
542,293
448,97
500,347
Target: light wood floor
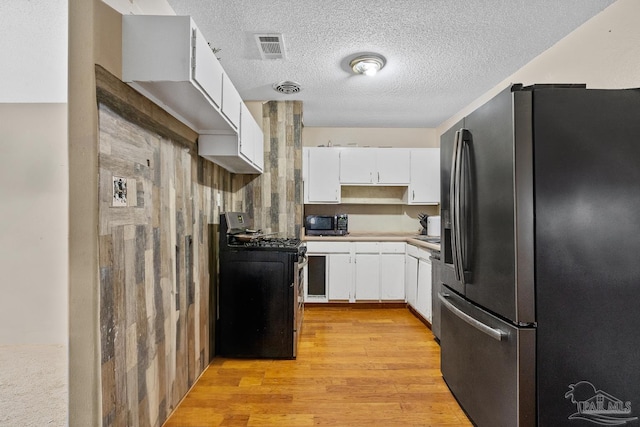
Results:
x,y
355,367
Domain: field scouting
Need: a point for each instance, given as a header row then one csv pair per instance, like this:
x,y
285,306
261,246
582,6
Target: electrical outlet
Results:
x,y
119,191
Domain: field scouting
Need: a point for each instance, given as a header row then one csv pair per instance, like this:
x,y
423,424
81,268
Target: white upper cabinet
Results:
x,y
230,101
167,59
208,73
357,166
403,175
247,132
425,176
393,166
241,153
251,139
384,166
321,172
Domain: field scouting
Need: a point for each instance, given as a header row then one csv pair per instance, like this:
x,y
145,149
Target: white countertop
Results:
x,y
375,237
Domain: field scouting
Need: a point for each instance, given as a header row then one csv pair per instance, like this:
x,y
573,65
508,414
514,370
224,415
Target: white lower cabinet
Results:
x,y
392,271
367,277
361,271
423,299
411,279
367,274
329,272
340,276
418,280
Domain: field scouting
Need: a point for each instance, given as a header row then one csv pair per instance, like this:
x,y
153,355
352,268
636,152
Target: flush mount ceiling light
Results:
x,y
368,64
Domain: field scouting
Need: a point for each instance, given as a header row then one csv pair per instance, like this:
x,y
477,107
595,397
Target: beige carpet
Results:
x,y
33,385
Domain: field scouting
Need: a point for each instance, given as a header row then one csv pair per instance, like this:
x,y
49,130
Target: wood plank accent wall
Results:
x,y
158,253
281,207
154,256
274,198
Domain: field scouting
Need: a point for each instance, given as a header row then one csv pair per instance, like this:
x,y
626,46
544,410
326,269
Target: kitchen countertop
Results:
x,y
376,237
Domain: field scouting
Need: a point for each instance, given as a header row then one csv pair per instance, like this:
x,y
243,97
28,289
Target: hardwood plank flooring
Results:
x,y
355,367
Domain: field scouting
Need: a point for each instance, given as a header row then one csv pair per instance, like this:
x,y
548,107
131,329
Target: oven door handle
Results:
x,y
304,263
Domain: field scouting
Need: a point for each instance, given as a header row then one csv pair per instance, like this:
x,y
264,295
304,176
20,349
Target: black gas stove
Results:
x,y
240,235
260,291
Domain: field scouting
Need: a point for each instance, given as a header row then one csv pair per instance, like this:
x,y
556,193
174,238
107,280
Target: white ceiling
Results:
x,y
441,54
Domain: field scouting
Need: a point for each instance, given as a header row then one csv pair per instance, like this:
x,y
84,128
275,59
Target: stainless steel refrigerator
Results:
x,y
540,308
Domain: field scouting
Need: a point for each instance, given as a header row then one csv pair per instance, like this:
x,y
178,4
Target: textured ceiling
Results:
x,y
441,54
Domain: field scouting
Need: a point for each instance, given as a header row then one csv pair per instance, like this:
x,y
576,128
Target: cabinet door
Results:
x,y
425,176
251,138
207,71
393,166
357,166
411,280
423,300
231,101
247,139
340,277
367,277
258,146
392,277
323,170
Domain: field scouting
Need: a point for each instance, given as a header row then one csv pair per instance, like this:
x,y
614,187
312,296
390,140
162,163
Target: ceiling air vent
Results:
x,y
271,46
286,87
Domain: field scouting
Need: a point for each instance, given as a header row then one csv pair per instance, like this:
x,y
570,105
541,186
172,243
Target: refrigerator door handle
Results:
x,y
453,199
496,334
456,199
462,209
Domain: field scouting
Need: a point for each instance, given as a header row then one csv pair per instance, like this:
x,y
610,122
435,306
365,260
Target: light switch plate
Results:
x,y
119,191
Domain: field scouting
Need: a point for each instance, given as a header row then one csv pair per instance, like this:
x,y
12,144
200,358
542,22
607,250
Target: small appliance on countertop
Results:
x,y
430,224
326,225
433,226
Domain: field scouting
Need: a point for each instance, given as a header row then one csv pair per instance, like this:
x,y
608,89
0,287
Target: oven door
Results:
x,y
488,364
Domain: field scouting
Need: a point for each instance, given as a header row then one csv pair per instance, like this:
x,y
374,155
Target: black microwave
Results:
x,y
326,225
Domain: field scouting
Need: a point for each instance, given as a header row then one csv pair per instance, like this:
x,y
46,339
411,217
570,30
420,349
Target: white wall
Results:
x,y
603,53
33,223
33,172
33,51
373,137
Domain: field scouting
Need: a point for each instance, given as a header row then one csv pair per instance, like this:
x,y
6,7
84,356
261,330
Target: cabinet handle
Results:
x,y
413,194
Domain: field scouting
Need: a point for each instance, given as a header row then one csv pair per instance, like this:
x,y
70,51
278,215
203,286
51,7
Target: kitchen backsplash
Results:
x,y
377,218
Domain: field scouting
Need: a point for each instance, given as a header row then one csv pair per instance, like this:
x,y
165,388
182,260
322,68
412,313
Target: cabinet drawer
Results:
x,y
424,254
328,247
412,250
392,247
367,247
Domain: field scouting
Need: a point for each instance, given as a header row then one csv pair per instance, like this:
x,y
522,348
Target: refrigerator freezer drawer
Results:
x,y
488,364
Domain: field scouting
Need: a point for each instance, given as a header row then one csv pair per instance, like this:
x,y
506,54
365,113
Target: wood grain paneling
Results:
x,y
154,256
157,254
